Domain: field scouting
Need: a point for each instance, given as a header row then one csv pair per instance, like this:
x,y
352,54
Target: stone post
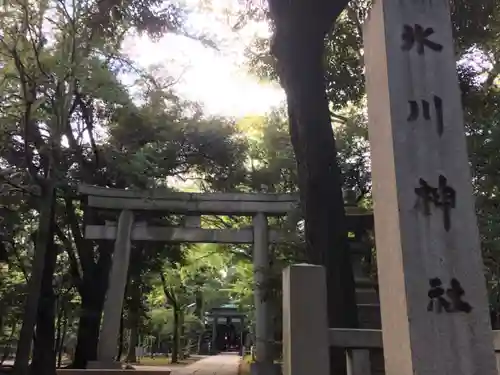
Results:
x,y
213,349
242,340
305,322
358,362
108,338
433,295
263,330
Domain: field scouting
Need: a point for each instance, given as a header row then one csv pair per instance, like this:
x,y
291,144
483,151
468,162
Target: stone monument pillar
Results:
x,y
432,289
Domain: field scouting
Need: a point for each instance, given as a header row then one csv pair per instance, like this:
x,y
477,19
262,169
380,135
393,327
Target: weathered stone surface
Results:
x,y
244,204
264,340
358,362
349,338
426,231
305,324
108,337
265,369
92,366
111,372
190,235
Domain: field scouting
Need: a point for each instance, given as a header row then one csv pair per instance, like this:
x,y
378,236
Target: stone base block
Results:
x,y
110,372
265,369
111,365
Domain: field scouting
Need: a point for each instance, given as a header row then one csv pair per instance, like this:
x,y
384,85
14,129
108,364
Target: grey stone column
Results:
x,y
113,305
263,331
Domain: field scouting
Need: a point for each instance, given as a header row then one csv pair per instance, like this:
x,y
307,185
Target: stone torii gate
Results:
x,y
193,206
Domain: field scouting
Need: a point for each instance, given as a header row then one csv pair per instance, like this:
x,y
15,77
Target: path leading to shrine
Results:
x,y
222,364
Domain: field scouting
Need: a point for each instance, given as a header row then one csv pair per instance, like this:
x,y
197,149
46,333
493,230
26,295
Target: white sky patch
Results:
x,y
217,79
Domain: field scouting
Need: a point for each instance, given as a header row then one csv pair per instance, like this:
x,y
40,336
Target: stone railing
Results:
x,y
306,338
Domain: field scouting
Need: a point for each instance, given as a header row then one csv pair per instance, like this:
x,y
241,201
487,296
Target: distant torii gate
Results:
x,y
192,206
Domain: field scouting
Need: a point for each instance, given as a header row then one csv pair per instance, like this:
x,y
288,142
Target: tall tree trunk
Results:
x,y
133,321
134,339
201,336
176,338
60,348
134,313
93,292
300,55
44,356
8,347
182,335
59,324
120,339
43,241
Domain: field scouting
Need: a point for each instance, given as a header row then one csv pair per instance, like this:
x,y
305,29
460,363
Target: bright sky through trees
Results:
x,y
215,78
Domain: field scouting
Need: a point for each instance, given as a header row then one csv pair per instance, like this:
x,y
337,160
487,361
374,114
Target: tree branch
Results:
x,y
169,295
84,252
73,262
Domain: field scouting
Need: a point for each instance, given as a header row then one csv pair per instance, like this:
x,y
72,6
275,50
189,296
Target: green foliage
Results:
x,y
483,136
272,162
162,323
65,110
203,269
66,119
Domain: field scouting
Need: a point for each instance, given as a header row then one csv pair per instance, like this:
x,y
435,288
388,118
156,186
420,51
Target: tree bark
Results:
x,y
8,348
44,356
43,241
59,324
134,339
201,336
300,55
134,313
121,339
182,335
63,338
93,292
176,338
